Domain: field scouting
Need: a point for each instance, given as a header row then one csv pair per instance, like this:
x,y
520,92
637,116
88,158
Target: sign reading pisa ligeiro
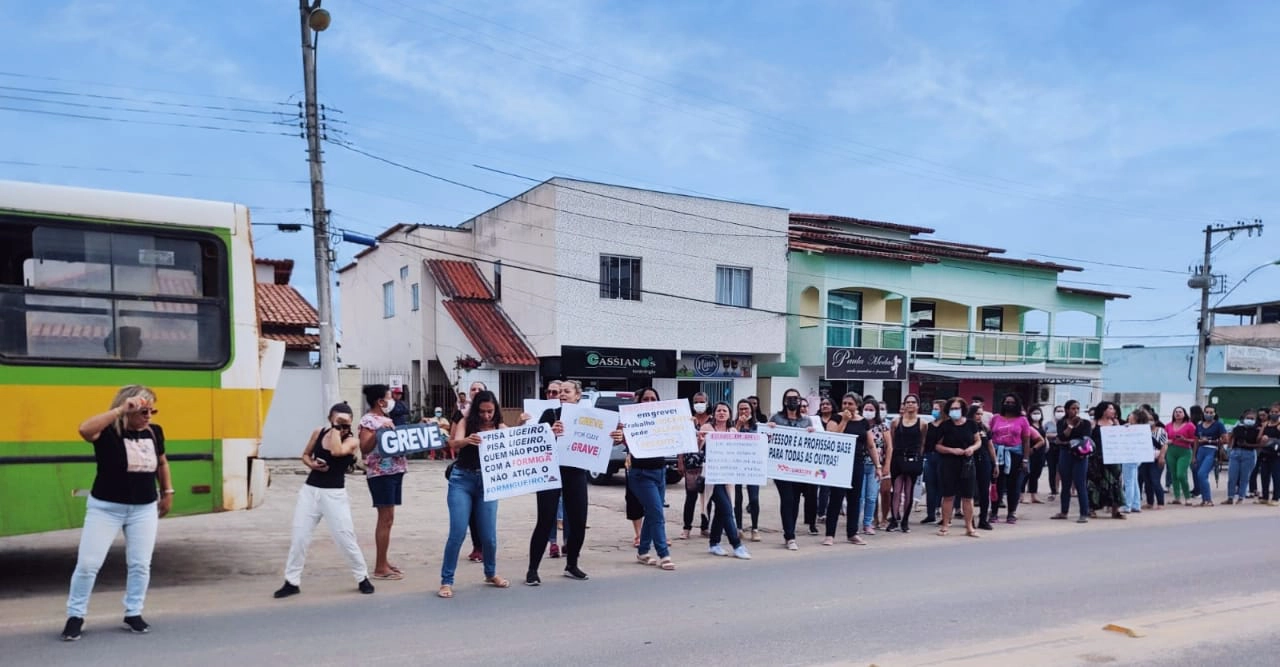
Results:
x,y
822,458
409,439
658,428
735,458
520,460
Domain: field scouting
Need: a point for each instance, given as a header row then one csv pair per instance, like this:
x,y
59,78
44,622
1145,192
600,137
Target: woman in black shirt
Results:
x,y
466,494
129,451
1074,440
329,452
958,441
573,488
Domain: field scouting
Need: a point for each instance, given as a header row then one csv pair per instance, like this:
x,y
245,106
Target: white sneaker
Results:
x,y
740,551
792,546
717,550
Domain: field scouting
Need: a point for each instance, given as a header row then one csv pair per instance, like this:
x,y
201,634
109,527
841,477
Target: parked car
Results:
x,y
610,400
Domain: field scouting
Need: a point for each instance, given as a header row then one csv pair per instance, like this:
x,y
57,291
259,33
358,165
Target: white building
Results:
x,y
620,287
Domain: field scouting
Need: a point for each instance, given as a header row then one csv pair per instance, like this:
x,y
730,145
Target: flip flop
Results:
x,y
390,576
942,532
497,582
445,592
972,533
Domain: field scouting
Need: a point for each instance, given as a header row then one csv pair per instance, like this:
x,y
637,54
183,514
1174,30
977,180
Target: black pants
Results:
x,y
983,493
788,507
694,485
1253,477
1051,462
1270,477
854,519
809,492
1153,474
1013,483
573,485
753,505
1031,482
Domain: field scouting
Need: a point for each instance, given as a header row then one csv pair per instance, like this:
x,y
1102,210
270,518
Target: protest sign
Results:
x,y
409,439
735,458
1130,443
659,428
586,442
520,460
534,407
822,458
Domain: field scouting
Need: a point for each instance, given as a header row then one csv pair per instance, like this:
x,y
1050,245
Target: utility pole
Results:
x,y
1204,280
315,20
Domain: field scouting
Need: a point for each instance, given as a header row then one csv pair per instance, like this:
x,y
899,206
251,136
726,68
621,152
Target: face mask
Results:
x,y
391,404
1248,422
954,414
1009,409
439,413
699,407
868,414
1058,414
1209,417
1036,415
792,403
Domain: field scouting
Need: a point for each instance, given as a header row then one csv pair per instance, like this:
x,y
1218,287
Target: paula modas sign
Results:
x,y
409,439
866,363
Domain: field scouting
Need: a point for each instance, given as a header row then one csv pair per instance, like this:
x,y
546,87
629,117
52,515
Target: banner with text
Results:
x,y
409,439
519,460
1130,443
586,442
660,428
736,458
823,458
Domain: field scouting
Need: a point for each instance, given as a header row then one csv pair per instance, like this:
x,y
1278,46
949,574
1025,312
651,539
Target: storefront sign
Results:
x,y
1251,360
714,366
866,363
611,362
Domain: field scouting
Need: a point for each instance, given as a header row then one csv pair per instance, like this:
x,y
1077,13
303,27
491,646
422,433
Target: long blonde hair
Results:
x,y
127,392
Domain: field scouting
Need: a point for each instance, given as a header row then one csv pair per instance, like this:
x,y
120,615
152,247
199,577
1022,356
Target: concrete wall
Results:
x,y
368,339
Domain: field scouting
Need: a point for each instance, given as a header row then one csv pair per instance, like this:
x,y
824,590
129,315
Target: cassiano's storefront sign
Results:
x,y
612,362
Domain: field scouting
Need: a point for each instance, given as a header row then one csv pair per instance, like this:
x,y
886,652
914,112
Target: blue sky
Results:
x,y
1100,131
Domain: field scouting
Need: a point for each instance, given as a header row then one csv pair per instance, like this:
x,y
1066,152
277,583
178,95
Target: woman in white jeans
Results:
x,y
329,452
129,451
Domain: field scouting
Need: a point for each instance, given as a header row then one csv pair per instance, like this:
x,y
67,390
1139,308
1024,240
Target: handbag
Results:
x,y
910,463
1082,447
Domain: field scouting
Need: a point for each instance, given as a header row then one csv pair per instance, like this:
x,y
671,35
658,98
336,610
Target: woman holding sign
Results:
x,y
723,521
789,492
384,474
648,481
1106,484
466,494
747,424
573,487
851,420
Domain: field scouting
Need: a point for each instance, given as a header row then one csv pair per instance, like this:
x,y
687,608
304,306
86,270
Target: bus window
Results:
x,y
112,295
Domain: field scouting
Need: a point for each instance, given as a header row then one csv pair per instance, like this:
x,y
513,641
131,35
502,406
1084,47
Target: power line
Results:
x,y
178,114
81,82
63,114
147,172
118,98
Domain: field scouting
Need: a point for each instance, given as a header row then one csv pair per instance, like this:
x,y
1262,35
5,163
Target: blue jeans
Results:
x,y
102,522
1074,472
1239,469
648,486
722,520
1132,499
870,494
465,499
932,490
1204,465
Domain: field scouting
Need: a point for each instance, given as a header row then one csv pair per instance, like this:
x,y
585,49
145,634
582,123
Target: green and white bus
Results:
x,y
102,289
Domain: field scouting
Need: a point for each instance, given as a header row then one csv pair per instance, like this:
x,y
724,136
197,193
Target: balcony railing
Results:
x,y
958,345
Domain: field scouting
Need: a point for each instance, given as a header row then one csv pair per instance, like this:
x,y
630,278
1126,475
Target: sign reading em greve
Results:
x,y
410,438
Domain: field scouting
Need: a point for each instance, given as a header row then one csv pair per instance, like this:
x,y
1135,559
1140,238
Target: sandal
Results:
x,y
390,576
858,541
666,564
684,535
972,533
497,581
646,559
446,592
943,532
829,542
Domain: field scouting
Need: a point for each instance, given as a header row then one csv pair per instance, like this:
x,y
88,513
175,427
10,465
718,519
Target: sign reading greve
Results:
x,y
1128,443
519,460
736,458
587,442
409,439
660,428
822,458
866,363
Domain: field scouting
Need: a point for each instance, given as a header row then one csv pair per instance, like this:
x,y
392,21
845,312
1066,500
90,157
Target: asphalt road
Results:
x,y
1203,594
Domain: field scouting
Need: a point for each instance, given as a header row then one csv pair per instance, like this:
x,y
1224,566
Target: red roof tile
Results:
x,y
296,341
459,280
822,238
282,304
490,332
875,224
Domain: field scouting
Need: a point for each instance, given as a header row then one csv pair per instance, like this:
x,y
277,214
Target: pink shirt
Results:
x,y
1186,430
1009,432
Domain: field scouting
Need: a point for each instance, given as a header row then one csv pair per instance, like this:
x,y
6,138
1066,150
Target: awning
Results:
x,y
995,375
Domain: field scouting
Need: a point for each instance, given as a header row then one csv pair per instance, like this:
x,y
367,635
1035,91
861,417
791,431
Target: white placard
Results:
x,y
587,442
1130,443
519,460
534,407
659,428
736,458
823,458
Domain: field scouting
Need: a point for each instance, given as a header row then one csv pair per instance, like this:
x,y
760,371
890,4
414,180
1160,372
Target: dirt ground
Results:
x,y
232,560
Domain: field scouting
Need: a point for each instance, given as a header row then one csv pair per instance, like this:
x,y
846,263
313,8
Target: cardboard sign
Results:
x,y
1130,443
520,460
409,439
659,428
736,458
586,442
822,458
